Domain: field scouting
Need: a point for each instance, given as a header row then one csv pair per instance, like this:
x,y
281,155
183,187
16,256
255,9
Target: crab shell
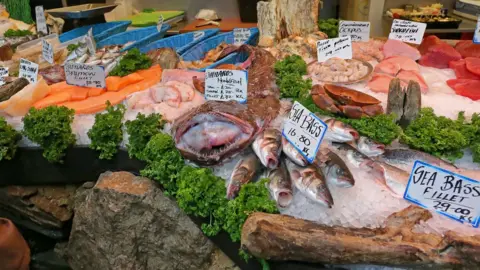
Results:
x,y
339,99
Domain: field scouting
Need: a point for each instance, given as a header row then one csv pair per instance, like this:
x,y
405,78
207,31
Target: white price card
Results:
x,y
3,74
448,193
28,70
407,31
358,31
198,35
160,23
241,35
40,19
304,130
85,75
476,34
334,47
47,51
226,85
90,40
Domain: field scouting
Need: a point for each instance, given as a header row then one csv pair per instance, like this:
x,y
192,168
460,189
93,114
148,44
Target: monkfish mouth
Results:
x,y
212,136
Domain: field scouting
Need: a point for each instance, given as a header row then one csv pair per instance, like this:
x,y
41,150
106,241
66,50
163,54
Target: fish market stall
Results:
x,y
296,145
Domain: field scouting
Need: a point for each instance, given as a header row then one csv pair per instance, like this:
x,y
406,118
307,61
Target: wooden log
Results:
x,y
278,19
279,237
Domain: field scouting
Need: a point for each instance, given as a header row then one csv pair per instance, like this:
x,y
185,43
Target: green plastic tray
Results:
x,y
143,19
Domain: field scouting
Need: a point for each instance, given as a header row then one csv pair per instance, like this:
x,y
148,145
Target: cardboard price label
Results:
x,y
160,23
304,130
28,70
448,193
358,31
47,51
85,75
476,34
90,40
407,31
3,74
334,47
240,35
40,19
226,85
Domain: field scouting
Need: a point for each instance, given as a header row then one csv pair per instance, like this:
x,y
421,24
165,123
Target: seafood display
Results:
x,y
336,70
210,57
305,46
109,56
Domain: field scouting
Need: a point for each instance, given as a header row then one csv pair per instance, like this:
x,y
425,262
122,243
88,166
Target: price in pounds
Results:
x,y
464,212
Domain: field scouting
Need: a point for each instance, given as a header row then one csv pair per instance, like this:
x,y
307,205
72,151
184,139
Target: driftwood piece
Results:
x,y
278,19
278,237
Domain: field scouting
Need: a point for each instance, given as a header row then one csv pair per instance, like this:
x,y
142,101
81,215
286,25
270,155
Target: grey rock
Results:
x,y
126,222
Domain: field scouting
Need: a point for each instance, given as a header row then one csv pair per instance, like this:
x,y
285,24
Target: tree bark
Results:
x,y
278,19
278,237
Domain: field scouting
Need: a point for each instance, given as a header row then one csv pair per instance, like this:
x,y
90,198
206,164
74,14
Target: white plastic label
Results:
x,y
407,31
304,130
448,193
47,51
476,34
240,35
198,35
3,74
90,40
225,85
85,75
160,23
358,31
28,70
334,47
41,21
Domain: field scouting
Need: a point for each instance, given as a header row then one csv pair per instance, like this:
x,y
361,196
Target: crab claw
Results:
x,y
351,111
322,100
372,110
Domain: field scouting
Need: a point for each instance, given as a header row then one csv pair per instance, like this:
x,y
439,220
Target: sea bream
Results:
x,y
311,183
215,131
268,147
242,173
280,186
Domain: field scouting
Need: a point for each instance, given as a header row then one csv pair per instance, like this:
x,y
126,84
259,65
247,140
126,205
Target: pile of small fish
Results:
x,y
108,57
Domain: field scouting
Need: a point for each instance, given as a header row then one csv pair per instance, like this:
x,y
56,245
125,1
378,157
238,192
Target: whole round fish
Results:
x,y
391,177
268,147
405,159
243,173
280,186
311,183
337,172
337,131
368,147
292,153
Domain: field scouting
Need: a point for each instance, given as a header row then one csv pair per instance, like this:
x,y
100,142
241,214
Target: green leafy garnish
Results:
x,y
17,33
140,131
50,127
439,135
329,27
148,10
381,128
291,64
289,77
106,134
8,140
134,60
72,47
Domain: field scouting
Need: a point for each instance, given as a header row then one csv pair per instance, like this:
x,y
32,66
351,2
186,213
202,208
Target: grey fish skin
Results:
x,y
243,173
351,155
280,186
391,177
396,99
413,103
9,90
311,183
405,159
268,147
369,147
337,172
292,153
339,132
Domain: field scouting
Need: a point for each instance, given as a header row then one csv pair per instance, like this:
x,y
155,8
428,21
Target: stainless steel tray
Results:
x,y
81,11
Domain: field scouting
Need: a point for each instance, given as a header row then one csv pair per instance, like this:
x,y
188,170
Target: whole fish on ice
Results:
x,y
337,131
337,172
280,185
242,173
268,147
292,153
368,146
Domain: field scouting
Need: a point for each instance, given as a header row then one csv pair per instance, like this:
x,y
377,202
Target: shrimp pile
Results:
x,y
337,70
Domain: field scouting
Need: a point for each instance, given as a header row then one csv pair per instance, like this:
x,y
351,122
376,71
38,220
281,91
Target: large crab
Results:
x,y
343,100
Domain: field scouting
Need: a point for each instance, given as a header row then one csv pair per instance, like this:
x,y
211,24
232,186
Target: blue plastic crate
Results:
x,y
141,37
100,31
180,43
198,51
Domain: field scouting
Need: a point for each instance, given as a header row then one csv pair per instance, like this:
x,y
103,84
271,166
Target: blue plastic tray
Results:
x,y
141,37
100,31
198,51
180,43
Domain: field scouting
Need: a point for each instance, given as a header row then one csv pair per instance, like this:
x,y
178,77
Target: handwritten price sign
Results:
x,y
407,31
28,70
448,193
304,130
225,85
85,75
358,31
240,35
334,47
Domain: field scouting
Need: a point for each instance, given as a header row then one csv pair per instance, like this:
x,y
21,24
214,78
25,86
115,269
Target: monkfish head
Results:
x,y
215,131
